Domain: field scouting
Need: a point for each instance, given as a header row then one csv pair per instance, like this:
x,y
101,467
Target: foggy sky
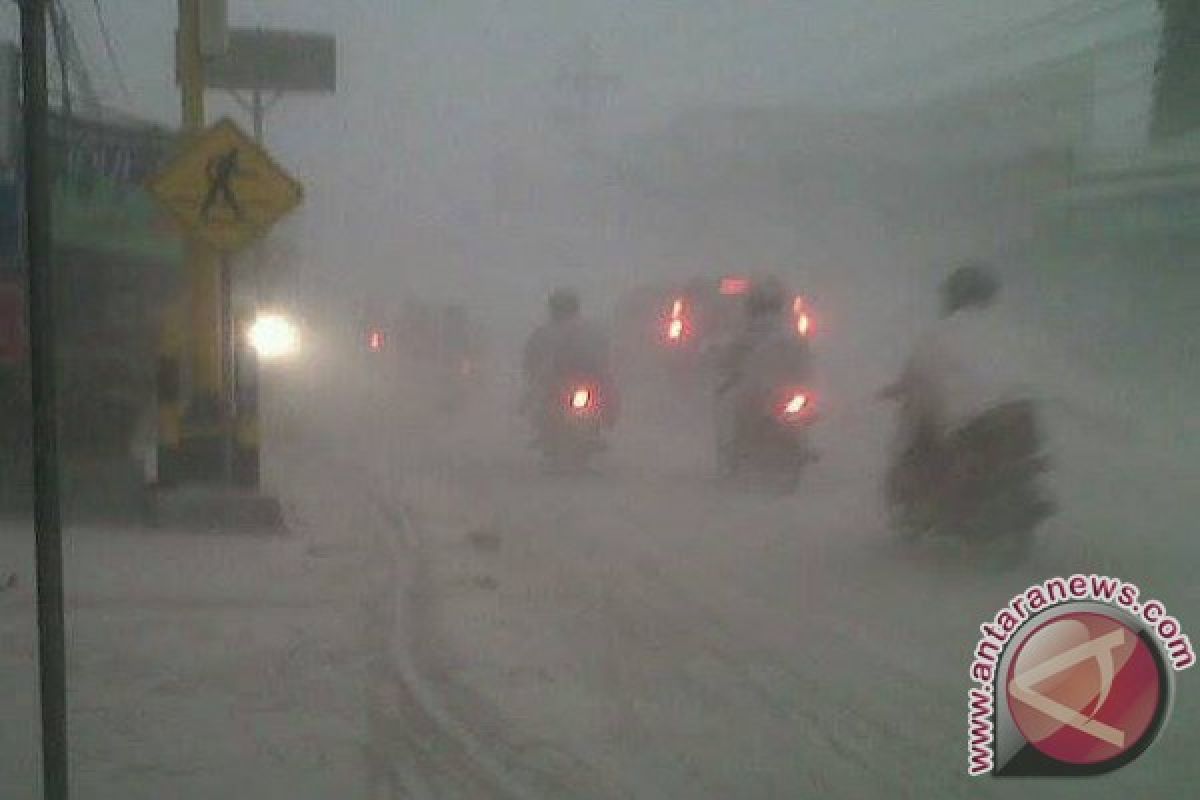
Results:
x,y
438,97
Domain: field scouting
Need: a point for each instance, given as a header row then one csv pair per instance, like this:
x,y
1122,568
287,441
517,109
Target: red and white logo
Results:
x,y
1084,688
1073,677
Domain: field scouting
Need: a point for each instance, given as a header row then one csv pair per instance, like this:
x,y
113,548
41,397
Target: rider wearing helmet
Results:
x,y
971,286
563,304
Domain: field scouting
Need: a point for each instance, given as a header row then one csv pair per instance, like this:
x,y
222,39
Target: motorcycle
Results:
x,y
765,408
768,434
572,421
980,485
459,381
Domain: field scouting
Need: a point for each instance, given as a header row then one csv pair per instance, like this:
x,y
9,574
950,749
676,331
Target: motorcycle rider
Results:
x,y
456,341
455,358
564,346
964,403
765,353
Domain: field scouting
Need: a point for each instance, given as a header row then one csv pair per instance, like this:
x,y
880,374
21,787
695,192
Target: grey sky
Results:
x,y
679,52
433,92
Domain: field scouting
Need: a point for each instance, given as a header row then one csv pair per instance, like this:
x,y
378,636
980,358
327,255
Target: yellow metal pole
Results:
x,y
205,420
204,285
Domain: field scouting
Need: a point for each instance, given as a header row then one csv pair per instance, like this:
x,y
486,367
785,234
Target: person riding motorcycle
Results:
x,y
964,404
565,347
765,354
455,358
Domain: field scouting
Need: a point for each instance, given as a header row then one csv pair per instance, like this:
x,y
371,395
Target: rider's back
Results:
x,y
972,363
565,347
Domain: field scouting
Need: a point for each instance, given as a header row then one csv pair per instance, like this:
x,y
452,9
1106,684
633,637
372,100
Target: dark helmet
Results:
x,y
973,285
563,303
766,296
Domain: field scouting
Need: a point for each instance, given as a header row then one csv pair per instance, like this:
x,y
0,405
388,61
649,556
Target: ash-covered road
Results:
x,y
644,632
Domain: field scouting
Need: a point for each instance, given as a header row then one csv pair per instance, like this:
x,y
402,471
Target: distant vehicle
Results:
x,y
674,328
457,358
376,340
433,353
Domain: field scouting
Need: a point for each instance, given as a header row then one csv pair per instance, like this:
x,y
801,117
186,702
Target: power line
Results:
x,y
71,61
111,51
55,18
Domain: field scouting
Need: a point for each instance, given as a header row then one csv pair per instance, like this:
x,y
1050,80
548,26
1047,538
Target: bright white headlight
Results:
x,y
273,336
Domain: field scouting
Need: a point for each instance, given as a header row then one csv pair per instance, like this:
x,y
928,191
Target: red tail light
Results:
x,y
734,285
375,341
676,328
794,405
581,399
800,312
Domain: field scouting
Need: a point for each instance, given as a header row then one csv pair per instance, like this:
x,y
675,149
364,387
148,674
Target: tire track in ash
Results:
x,y
690,608
467,739
413,751
428,737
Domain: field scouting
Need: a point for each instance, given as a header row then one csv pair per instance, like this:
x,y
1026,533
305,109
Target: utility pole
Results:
x,y
206,418
76,83
47,521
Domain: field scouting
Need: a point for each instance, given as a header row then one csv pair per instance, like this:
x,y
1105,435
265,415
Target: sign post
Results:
x,y
224,191
267,64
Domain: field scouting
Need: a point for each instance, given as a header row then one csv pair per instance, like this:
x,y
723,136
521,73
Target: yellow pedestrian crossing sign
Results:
x,y
224,189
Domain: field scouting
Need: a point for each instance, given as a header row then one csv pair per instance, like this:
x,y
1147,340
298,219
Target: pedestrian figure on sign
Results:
x,y
221,171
